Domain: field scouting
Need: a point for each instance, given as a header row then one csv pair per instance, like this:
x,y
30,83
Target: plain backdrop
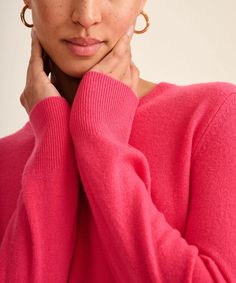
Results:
x,y
187,42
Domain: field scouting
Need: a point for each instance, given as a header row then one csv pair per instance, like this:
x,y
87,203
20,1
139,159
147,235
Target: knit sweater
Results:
x,y
117,188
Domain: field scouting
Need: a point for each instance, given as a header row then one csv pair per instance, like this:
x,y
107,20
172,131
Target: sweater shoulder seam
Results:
x,y
208,126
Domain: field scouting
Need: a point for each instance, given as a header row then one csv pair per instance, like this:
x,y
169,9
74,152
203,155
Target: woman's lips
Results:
x,y
88,50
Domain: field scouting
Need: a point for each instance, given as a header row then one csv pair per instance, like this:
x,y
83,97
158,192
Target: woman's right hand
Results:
x,y
38,85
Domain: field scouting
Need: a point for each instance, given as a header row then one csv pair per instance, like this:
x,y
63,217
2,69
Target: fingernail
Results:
x,y
130,31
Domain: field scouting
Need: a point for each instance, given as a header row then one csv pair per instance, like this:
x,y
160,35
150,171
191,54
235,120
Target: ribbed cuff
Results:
x,y
103,105
51,110
49,120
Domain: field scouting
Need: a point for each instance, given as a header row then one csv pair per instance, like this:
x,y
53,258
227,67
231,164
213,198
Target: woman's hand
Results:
x,y
118,64
38,85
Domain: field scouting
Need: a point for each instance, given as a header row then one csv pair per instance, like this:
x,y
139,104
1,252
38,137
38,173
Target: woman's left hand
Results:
x,y
118,64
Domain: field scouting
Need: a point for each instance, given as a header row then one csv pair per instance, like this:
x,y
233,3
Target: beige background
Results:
x,y
187,42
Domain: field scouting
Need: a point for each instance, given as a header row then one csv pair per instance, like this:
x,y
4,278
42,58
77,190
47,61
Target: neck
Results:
x,y
66,85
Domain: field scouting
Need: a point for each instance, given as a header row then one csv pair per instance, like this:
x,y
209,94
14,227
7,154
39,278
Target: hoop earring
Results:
x,y
147,23
22,16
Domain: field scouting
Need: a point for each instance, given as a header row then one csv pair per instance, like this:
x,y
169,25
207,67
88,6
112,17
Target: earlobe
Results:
x,y
143,2
28,3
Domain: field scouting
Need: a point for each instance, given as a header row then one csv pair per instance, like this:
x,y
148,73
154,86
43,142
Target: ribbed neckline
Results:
x,y
157,89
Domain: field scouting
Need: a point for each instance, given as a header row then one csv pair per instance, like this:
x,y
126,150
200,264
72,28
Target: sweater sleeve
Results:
x,y
39,239
138,242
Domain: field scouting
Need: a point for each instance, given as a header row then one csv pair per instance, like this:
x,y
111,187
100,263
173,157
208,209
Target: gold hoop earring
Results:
x,y
22,16
147,23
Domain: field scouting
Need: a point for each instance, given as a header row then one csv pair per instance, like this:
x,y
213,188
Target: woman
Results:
x,y
114,178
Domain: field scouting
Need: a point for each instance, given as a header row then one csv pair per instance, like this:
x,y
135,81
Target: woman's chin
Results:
x,y
76,71
72,67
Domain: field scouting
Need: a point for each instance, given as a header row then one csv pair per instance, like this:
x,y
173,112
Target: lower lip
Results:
x,y
80,50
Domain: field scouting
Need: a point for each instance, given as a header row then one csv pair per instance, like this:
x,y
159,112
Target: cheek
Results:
x,y
124,17
119,23
47,15
120,14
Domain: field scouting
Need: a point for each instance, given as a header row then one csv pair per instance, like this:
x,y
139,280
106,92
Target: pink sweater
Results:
x,y
122,189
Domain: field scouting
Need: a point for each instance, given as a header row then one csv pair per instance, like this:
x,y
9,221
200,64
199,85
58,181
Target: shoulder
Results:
x,y
16,144
202,92
17,135
205,105
187,111
213,111
189,96
199,99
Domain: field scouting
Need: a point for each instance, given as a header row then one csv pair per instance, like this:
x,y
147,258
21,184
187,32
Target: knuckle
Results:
x,y
22,99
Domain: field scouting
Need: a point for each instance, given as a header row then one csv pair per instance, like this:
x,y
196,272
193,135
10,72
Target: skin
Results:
x,y
57,20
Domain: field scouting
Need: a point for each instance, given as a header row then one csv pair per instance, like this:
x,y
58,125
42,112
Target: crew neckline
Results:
x,y
158,88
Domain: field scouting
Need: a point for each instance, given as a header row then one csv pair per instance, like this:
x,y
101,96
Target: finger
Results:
x,y
135,74
36,61
117,60
121,70
36,50
127,65
127,76
122,64
122,46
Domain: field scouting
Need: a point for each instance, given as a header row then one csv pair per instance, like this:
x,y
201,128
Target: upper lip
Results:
x,y
84,40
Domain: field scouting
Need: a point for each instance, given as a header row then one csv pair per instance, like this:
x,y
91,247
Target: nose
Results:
x,y
86,12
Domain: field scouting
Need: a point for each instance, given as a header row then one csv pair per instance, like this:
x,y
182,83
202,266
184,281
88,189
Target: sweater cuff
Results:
x,y
103,104
49,120
52,112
